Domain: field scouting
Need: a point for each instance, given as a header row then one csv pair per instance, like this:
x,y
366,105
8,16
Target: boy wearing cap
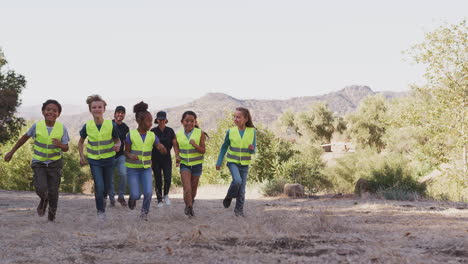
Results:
x,y
163,162
119,162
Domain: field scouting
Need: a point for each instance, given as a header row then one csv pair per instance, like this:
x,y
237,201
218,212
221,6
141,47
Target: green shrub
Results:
x,y
393,178
390,174
17,174
398,193
450,185
73,175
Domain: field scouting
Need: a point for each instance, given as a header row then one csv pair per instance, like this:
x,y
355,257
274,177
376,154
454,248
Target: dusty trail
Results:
x,y
325,230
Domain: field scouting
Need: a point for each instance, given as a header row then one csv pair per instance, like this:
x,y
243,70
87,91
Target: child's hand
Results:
x,y
56,142
83,161
8,156
132,156
177,162
218,167
162,149
251,147
192,142
116,147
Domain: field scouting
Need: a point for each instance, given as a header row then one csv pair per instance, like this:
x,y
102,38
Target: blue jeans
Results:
x,y
237,187
143,177
102,176
119,164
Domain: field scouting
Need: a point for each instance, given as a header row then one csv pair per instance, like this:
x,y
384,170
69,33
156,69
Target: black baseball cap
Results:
x,y
119,109
161,115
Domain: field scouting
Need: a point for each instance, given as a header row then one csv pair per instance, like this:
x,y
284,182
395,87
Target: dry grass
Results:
x,y
324,230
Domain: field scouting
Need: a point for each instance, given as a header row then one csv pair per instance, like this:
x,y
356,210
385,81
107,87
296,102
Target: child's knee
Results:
x,y
237,182
135,196
148,194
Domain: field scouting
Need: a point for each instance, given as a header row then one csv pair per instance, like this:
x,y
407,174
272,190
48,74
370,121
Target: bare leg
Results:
x,y
194,185
187,186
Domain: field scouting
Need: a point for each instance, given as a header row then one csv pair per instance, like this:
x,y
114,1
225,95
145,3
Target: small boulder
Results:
x,y
293,190
362,186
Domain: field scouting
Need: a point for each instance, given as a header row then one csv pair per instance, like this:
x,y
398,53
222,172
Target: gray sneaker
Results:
x,y
167,201
101,216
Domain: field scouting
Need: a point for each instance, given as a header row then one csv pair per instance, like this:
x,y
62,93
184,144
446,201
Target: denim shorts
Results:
x,y
196,170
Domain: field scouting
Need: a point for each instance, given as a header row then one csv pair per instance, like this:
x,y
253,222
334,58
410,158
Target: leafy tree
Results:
x,y
316,124
11,86
267,155
442,108
368,124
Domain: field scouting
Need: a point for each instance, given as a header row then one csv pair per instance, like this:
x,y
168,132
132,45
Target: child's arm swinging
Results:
x,y
18,145
176,152
80,150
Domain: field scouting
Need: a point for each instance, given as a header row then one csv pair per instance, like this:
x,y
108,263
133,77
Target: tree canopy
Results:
x,y
11,86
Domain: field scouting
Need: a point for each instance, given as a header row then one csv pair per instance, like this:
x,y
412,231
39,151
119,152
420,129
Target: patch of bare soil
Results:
x,y
326,229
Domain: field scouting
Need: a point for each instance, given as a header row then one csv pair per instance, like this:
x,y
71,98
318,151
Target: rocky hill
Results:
x,y
213,106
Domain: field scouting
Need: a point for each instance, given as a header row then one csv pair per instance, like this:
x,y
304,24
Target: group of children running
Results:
x,y
136,155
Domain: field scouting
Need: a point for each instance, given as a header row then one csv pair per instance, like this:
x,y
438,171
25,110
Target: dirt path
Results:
x,y
324,230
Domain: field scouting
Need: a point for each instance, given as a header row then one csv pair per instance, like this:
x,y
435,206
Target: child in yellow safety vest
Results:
x,y
139,144
189,150
240,143
50,140
103,142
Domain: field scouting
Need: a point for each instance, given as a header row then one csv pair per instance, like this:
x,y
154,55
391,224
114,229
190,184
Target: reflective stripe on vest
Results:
x,y
100,143
189,155
142,149
238,151
44,150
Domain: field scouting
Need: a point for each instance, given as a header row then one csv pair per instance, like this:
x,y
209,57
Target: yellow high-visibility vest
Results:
x,y
100,142
44,150
141,149
188,154
238,151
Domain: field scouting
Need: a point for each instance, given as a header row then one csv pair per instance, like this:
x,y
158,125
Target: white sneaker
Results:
x,y
101,216
160,204
166,200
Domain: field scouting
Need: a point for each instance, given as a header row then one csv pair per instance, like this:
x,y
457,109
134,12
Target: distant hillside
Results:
x,y
212,107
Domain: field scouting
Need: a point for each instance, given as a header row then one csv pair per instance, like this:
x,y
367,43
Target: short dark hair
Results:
x,y
51,101
119,109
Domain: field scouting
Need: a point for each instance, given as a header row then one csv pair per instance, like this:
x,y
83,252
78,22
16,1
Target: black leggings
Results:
x,y
159,168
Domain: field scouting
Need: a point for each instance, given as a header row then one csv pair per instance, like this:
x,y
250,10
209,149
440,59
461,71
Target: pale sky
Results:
x,y
247,49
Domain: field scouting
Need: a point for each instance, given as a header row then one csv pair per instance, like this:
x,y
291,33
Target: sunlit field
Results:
x,y
324,229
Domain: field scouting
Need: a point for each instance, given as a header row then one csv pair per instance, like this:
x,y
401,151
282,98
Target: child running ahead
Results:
x,y
50,140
